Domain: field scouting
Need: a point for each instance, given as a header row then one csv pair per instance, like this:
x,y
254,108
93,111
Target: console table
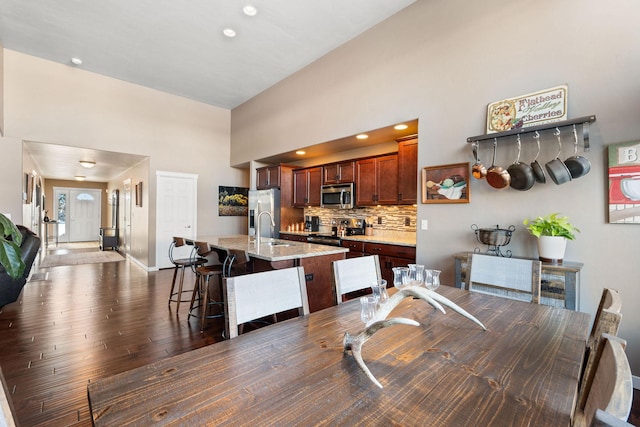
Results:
x,y
560,285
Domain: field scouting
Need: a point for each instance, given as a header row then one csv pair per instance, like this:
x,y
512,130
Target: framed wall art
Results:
x,y
233,201
624,183
446,183
139,194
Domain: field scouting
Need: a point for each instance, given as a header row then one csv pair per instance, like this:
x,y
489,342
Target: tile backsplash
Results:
x,y
388,218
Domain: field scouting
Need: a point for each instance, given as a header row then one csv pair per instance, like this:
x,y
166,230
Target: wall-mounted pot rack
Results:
x,y
584,121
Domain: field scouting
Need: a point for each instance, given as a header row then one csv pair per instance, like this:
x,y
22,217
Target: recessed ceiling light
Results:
x,y
249,10
400,127
76,61
80,177
87,163
229,32
362,136
301,152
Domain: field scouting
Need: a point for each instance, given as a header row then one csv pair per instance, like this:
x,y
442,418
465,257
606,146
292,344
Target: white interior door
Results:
x,y
84,214
176,213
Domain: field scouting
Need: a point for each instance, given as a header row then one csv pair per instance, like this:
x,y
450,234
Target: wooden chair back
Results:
x,y
607,321
253,296
7,411
507,277
354,274
237,262
611,388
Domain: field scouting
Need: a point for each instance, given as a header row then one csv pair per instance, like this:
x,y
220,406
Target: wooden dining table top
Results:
x,y
522,371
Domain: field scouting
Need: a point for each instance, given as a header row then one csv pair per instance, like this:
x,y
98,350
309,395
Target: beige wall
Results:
x,y
1,89
55,103
443,61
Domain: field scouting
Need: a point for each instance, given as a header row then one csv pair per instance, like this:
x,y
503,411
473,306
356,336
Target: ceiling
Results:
x,y
178,47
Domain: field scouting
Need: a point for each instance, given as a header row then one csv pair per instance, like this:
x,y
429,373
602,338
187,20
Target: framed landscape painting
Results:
x,y
233,201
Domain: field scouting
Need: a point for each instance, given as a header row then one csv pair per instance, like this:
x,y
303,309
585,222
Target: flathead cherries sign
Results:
x,y
549,105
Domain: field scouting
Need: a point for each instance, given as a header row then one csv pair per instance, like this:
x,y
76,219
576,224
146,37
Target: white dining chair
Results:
x,y
506,277
257,295
607,321
354,274
612,387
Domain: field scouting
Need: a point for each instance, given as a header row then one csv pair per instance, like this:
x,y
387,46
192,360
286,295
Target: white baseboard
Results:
x,y
636,382
138,263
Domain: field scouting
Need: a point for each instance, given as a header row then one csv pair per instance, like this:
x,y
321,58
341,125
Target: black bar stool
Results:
x,y
204,273
180,264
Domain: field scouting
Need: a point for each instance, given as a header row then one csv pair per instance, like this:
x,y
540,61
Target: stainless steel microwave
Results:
x,y
337,196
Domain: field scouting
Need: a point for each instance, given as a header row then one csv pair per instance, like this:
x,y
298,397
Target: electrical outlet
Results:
x,y
308,277
425,224
379,220
407,221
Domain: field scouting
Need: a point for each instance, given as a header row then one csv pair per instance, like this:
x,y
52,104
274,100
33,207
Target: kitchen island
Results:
x,y
276,254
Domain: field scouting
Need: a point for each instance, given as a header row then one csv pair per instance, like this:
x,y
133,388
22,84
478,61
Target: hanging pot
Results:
x,y
521,173
478,170
578,166
497,176
556,168
538,172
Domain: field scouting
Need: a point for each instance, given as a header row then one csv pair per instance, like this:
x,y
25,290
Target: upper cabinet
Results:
x,y
377,181
273,177
338,173
408,171
306,187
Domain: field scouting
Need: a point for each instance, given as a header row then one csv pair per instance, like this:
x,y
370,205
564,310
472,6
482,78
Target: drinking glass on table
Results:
x,y
432,279
416,274
379,288
367,308
400,277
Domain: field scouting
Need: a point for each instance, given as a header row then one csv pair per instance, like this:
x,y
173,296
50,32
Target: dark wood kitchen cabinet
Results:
x,y
408,171
338,173
389,255
306,187
377,181
278,176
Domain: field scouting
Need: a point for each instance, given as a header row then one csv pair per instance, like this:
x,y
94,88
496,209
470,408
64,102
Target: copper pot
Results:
x,y
497,176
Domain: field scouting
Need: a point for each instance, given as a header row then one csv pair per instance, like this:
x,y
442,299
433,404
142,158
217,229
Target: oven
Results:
x,y
323,239
338,196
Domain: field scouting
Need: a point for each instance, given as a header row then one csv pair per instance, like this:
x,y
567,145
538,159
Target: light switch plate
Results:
x,y
424,224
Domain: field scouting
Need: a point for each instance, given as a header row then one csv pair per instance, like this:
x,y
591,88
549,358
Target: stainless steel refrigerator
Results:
x,y
264,200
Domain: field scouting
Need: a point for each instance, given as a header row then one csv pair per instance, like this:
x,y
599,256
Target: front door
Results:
x,y
175,213
78,213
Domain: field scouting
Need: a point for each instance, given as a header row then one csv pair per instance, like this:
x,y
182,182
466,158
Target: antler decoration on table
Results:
x,y
379,321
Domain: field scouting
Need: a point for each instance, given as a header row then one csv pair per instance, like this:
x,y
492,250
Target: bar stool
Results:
x,y
204,273
180,264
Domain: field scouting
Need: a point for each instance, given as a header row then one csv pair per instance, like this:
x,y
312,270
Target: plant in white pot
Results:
x,y
10,240
552,232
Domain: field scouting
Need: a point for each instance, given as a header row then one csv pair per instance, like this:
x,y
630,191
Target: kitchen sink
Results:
x,y
284,244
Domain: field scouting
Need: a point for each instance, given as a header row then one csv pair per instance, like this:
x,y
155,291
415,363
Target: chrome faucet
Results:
x,y
257,221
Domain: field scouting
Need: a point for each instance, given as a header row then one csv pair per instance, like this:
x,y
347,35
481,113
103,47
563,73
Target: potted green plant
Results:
x,y
552,231
10,253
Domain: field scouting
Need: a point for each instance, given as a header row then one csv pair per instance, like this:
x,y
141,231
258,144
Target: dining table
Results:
x,y
523,370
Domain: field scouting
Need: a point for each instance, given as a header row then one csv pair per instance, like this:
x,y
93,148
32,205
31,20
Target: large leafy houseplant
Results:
x,y
551,225
10,253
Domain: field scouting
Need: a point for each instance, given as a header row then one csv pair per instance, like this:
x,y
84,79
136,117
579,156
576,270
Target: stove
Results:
x,y
340,227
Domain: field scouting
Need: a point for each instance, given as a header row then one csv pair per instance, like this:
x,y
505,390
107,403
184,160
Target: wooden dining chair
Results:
x,y
354,274
512,278
7,411
607,321
257,295
611,388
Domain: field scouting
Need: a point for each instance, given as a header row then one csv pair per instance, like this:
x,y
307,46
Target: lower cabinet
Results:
x,y
390,255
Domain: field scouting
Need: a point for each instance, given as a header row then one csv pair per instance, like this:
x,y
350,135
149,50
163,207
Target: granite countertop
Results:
x,y
389,238
271,249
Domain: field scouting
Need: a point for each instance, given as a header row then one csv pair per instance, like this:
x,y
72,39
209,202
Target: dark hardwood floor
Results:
x,y
90,321
86,322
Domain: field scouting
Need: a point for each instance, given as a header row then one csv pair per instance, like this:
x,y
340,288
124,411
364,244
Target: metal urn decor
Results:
x,y
494,238
380,321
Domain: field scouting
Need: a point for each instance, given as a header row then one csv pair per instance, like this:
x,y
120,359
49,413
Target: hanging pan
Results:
x,y
521,174
538,172
478,170
556,168
578,166
497,176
